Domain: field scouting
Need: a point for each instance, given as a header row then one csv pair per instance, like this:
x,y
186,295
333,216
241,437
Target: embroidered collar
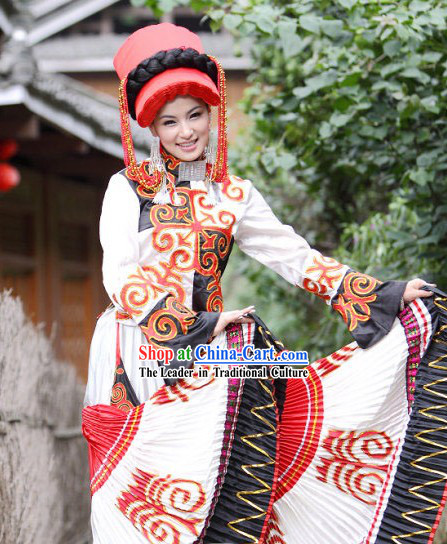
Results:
x,y
196,174
171,163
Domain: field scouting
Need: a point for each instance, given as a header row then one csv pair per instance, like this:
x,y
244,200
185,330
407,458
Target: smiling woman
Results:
x,y
183,126
332,458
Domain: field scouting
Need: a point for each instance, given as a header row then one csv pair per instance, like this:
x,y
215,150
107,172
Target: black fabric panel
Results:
x,y
230,506
146,204
265,338
423,462
121,377
383,310
201,293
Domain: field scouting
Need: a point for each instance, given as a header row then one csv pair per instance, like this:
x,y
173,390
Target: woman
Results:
x,y
205,459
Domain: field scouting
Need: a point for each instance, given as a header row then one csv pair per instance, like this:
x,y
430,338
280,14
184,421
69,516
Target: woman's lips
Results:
x,y
189,146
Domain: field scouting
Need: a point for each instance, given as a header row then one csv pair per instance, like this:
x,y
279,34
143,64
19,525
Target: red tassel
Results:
x,y
220,169
151,181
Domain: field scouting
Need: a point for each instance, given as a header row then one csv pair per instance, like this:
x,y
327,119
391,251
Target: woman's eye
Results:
x,y
196,114
168,123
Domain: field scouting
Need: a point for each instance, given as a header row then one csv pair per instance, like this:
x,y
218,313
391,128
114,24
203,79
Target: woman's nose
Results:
x,y
186,130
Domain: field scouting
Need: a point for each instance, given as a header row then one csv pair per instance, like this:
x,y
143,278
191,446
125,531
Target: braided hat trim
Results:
x,y
168,85
166,60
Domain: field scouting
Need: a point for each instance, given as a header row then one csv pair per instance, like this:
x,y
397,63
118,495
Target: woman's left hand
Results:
x,y
413,290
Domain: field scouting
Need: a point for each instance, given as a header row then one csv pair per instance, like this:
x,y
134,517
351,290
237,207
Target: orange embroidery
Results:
x,y
163,508
119,397
232,189
199,237
138,292
144,170
353,303
170,161
164,274
327,272
316,289
358,462
215,300
167,322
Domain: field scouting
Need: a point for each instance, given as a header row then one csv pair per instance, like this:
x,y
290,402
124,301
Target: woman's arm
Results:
x,y
367,305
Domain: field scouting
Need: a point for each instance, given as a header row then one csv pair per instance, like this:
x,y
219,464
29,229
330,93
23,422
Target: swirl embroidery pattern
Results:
x,y
233,188
197,236
354,302
358,462
167,322
323,276
119,398
163,508
138,292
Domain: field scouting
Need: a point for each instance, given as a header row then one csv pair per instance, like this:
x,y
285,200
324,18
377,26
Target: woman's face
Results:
x,y
183,127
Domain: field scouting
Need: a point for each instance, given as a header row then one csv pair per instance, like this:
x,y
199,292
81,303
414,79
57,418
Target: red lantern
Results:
x,y
9,177
8,148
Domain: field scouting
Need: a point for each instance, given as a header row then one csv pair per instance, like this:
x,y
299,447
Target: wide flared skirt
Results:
x,y
355,453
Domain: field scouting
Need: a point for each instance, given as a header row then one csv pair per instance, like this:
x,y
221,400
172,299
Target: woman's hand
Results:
x,y
237,316
413,290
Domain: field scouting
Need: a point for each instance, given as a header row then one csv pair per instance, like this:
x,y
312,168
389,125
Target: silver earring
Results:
x,y
211,149
213,191
155,156
157,163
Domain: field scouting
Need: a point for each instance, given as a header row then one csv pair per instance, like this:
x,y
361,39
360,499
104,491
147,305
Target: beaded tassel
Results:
x,y
167,193
213,194
158,181
220,169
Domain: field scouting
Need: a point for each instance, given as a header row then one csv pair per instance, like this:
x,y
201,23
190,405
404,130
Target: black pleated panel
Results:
x,y
241,511
421,475
245,496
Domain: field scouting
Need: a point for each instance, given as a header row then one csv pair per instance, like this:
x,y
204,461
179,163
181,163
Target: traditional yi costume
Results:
x,y
349,455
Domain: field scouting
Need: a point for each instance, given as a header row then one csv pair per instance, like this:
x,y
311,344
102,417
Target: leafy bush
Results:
x,y
347,134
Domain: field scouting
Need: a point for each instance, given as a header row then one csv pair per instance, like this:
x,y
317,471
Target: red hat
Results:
x,y
145,43
165,86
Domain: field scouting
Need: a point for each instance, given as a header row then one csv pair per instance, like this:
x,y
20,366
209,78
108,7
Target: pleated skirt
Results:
x,y
355,453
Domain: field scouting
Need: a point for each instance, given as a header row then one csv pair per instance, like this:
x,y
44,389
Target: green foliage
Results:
x,y
348,134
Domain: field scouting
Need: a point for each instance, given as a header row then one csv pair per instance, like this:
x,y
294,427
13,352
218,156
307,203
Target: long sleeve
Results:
x,y
367,305
134,290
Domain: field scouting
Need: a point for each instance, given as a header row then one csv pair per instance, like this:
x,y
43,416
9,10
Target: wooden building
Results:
x,y
58,102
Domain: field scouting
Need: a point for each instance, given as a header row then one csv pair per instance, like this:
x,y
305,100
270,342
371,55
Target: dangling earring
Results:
x,y
211,149
166,193
213,193
158,180
155,156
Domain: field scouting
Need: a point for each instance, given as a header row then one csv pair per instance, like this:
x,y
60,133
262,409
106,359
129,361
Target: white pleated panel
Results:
x,y
365,419
179,444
